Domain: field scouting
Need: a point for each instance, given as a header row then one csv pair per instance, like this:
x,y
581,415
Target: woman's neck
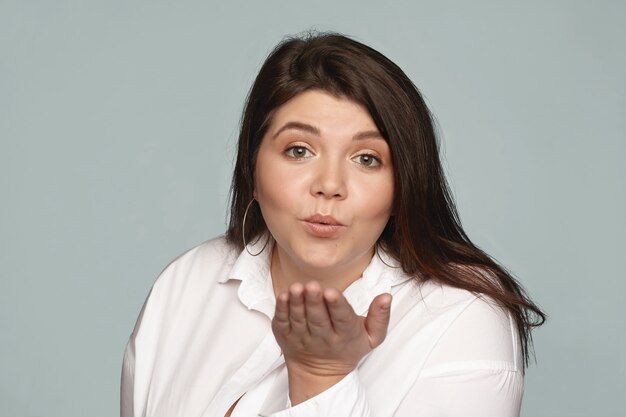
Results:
x,y
285,272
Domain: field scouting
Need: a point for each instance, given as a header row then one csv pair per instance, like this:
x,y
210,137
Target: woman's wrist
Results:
x,y
307,383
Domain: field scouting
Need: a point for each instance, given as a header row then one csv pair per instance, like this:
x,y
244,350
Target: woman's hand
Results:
x,y
321,336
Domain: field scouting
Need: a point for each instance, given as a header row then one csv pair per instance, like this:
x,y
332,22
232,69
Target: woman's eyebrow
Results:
x,y
297,126
368,134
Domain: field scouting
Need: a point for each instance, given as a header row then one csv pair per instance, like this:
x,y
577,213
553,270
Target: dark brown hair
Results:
x,y
425,233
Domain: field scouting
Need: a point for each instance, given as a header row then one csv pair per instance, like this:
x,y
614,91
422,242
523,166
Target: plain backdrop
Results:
x,y
118,126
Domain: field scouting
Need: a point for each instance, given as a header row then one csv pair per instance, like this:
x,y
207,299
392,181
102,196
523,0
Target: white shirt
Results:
x,y
203,340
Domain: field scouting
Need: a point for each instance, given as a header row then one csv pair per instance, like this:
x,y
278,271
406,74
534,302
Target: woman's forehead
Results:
x,y
317,112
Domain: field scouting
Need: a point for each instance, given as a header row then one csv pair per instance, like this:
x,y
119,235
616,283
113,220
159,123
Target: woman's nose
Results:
x,y
329,180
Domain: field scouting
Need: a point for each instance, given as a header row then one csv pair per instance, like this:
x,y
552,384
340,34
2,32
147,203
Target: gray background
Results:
x,y
118,123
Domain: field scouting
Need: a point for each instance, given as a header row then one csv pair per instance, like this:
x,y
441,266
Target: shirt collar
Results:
x,y
382,273
257,293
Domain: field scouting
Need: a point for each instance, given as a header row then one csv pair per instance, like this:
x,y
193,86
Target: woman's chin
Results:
x,y
320,261
331,262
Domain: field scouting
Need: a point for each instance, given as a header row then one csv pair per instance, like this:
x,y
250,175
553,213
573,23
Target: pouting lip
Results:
x,y
321,219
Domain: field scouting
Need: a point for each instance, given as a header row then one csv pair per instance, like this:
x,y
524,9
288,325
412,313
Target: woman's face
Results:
x,y
324,182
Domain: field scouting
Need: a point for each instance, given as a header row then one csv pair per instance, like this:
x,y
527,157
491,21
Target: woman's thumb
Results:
x,y
377,319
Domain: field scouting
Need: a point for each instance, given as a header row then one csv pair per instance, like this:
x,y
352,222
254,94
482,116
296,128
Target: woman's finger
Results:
x,y
297,315
317,316
342,315
280,323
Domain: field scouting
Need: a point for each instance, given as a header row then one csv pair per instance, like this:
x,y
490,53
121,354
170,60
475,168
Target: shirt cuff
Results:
x,y
345,398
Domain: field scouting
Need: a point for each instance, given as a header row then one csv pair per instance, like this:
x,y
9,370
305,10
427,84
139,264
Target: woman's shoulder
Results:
x,y
477,327
459,303
208,261
446,309
188,278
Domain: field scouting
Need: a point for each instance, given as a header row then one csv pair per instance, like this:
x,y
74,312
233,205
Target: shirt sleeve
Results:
x,y
127,386
474,371
458,390
128,379
345,398
470,390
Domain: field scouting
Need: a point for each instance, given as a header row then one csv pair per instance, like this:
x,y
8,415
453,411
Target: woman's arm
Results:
x,y
127,386
474,370
128,379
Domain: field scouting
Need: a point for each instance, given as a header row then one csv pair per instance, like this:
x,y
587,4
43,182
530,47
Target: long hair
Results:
x,y
424,233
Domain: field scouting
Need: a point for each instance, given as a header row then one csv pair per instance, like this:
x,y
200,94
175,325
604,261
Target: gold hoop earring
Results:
x,y
243,232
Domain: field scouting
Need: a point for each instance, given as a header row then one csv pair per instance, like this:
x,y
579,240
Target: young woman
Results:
x,y
339,205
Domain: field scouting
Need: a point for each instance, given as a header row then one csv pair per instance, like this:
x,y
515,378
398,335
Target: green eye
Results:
x,y
368,160
298,152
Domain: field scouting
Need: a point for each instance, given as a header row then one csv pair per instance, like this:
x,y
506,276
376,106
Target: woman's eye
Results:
x,y
298,152
367,160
